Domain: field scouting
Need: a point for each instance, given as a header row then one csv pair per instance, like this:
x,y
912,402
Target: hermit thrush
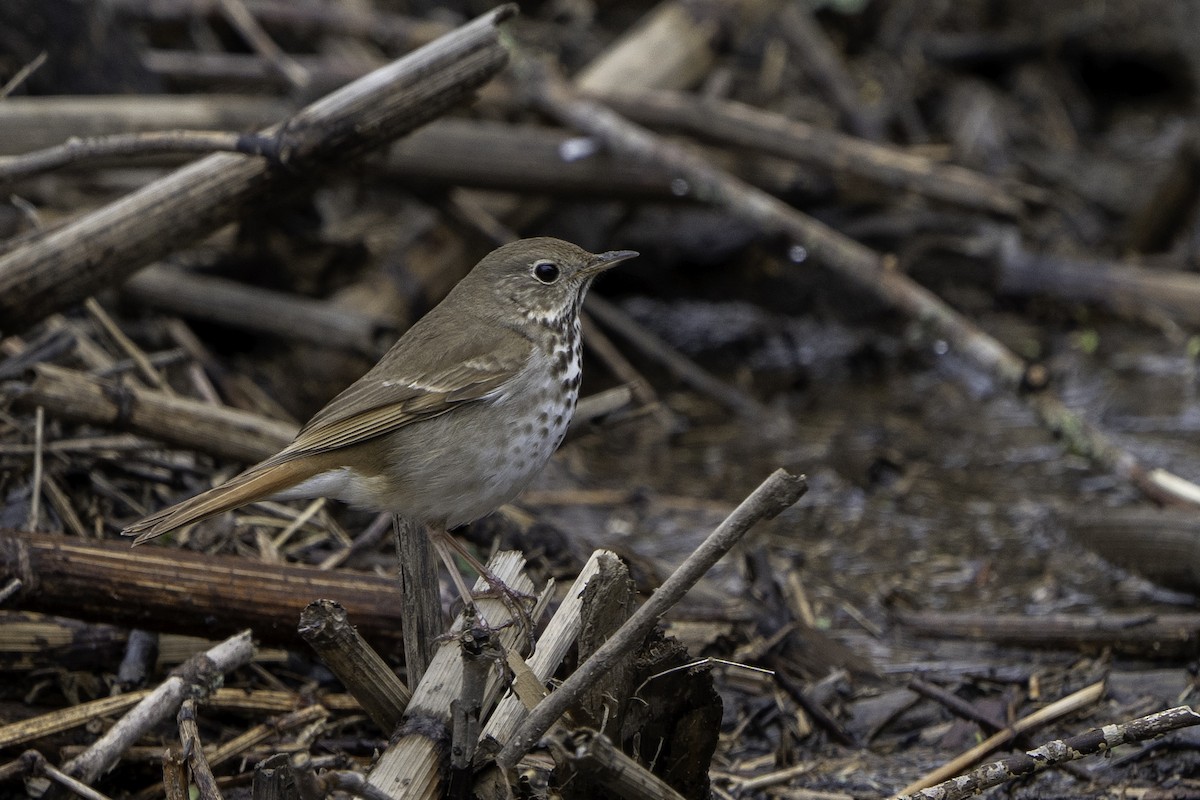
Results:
x,y
456,418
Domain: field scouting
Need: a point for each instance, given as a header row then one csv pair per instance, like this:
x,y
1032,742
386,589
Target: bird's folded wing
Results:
x,y
378,404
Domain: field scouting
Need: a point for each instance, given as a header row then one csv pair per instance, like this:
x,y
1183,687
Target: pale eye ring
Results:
x,y
546,271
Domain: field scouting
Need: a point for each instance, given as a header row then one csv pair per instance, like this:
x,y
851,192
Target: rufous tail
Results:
x,y
257,483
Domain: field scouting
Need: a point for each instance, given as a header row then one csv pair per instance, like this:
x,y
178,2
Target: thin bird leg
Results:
x,y
439,544
512,598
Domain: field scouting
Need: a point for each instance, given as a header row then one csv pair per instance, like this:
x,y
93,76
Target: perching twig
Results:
x,y
775,494
420,599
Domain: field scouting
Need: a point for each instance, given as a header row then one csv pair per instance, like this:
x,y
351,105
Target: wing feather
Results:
x,y
375,405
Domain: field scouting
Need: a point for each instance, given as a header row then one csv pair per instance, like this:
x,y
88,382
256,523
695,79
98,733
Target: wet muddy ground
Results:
x,y
955,565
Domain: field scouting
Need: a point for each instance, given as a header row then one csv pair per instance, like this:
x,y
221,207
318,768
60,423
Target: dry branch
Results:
x,y
252,308
33,123
1165,635
411,766
161,588
776,493
731,123
219,430
592,754
325,625
855,262
1059,751
1089,695
196,678
108,245
1112,284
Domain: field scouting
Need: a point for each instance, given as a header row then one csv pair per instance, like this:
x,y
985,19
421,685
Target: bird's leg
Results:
x,y
514,600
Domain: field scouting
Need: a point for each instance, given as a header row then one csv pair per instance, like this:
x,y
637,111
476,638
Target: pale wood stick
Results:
x,y
410,767
193,678
1072,702
776,493
560,633
1059,751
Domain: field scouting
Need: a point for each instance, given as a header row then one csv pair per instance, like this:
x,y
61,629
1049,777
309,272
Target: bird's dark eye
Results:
x,y
546,271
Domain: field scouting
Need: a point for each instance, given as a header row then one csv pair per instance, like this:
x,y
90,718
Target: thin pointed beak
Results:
x,y
603,261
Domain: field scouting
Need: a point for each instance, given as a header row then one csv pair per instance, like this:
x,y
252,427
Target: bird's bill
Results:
x,y
608,260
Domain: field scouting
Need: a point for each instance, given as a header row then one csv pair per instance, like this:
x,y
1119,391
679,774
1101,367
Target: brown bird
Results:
x,y
456,418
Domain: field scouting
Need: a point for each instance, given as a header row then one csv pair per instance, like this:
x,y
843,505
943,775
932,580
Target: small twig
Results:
x,y
36,765
1072,702
593,754
616,362
325,625
35,499
245,23
175,782
9,589
479,652
22,75
685,369
825,66
366,540
77,149
194,677
968,711
1057,752
110,327
189,737
732,124
304,516
775,494
309,716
